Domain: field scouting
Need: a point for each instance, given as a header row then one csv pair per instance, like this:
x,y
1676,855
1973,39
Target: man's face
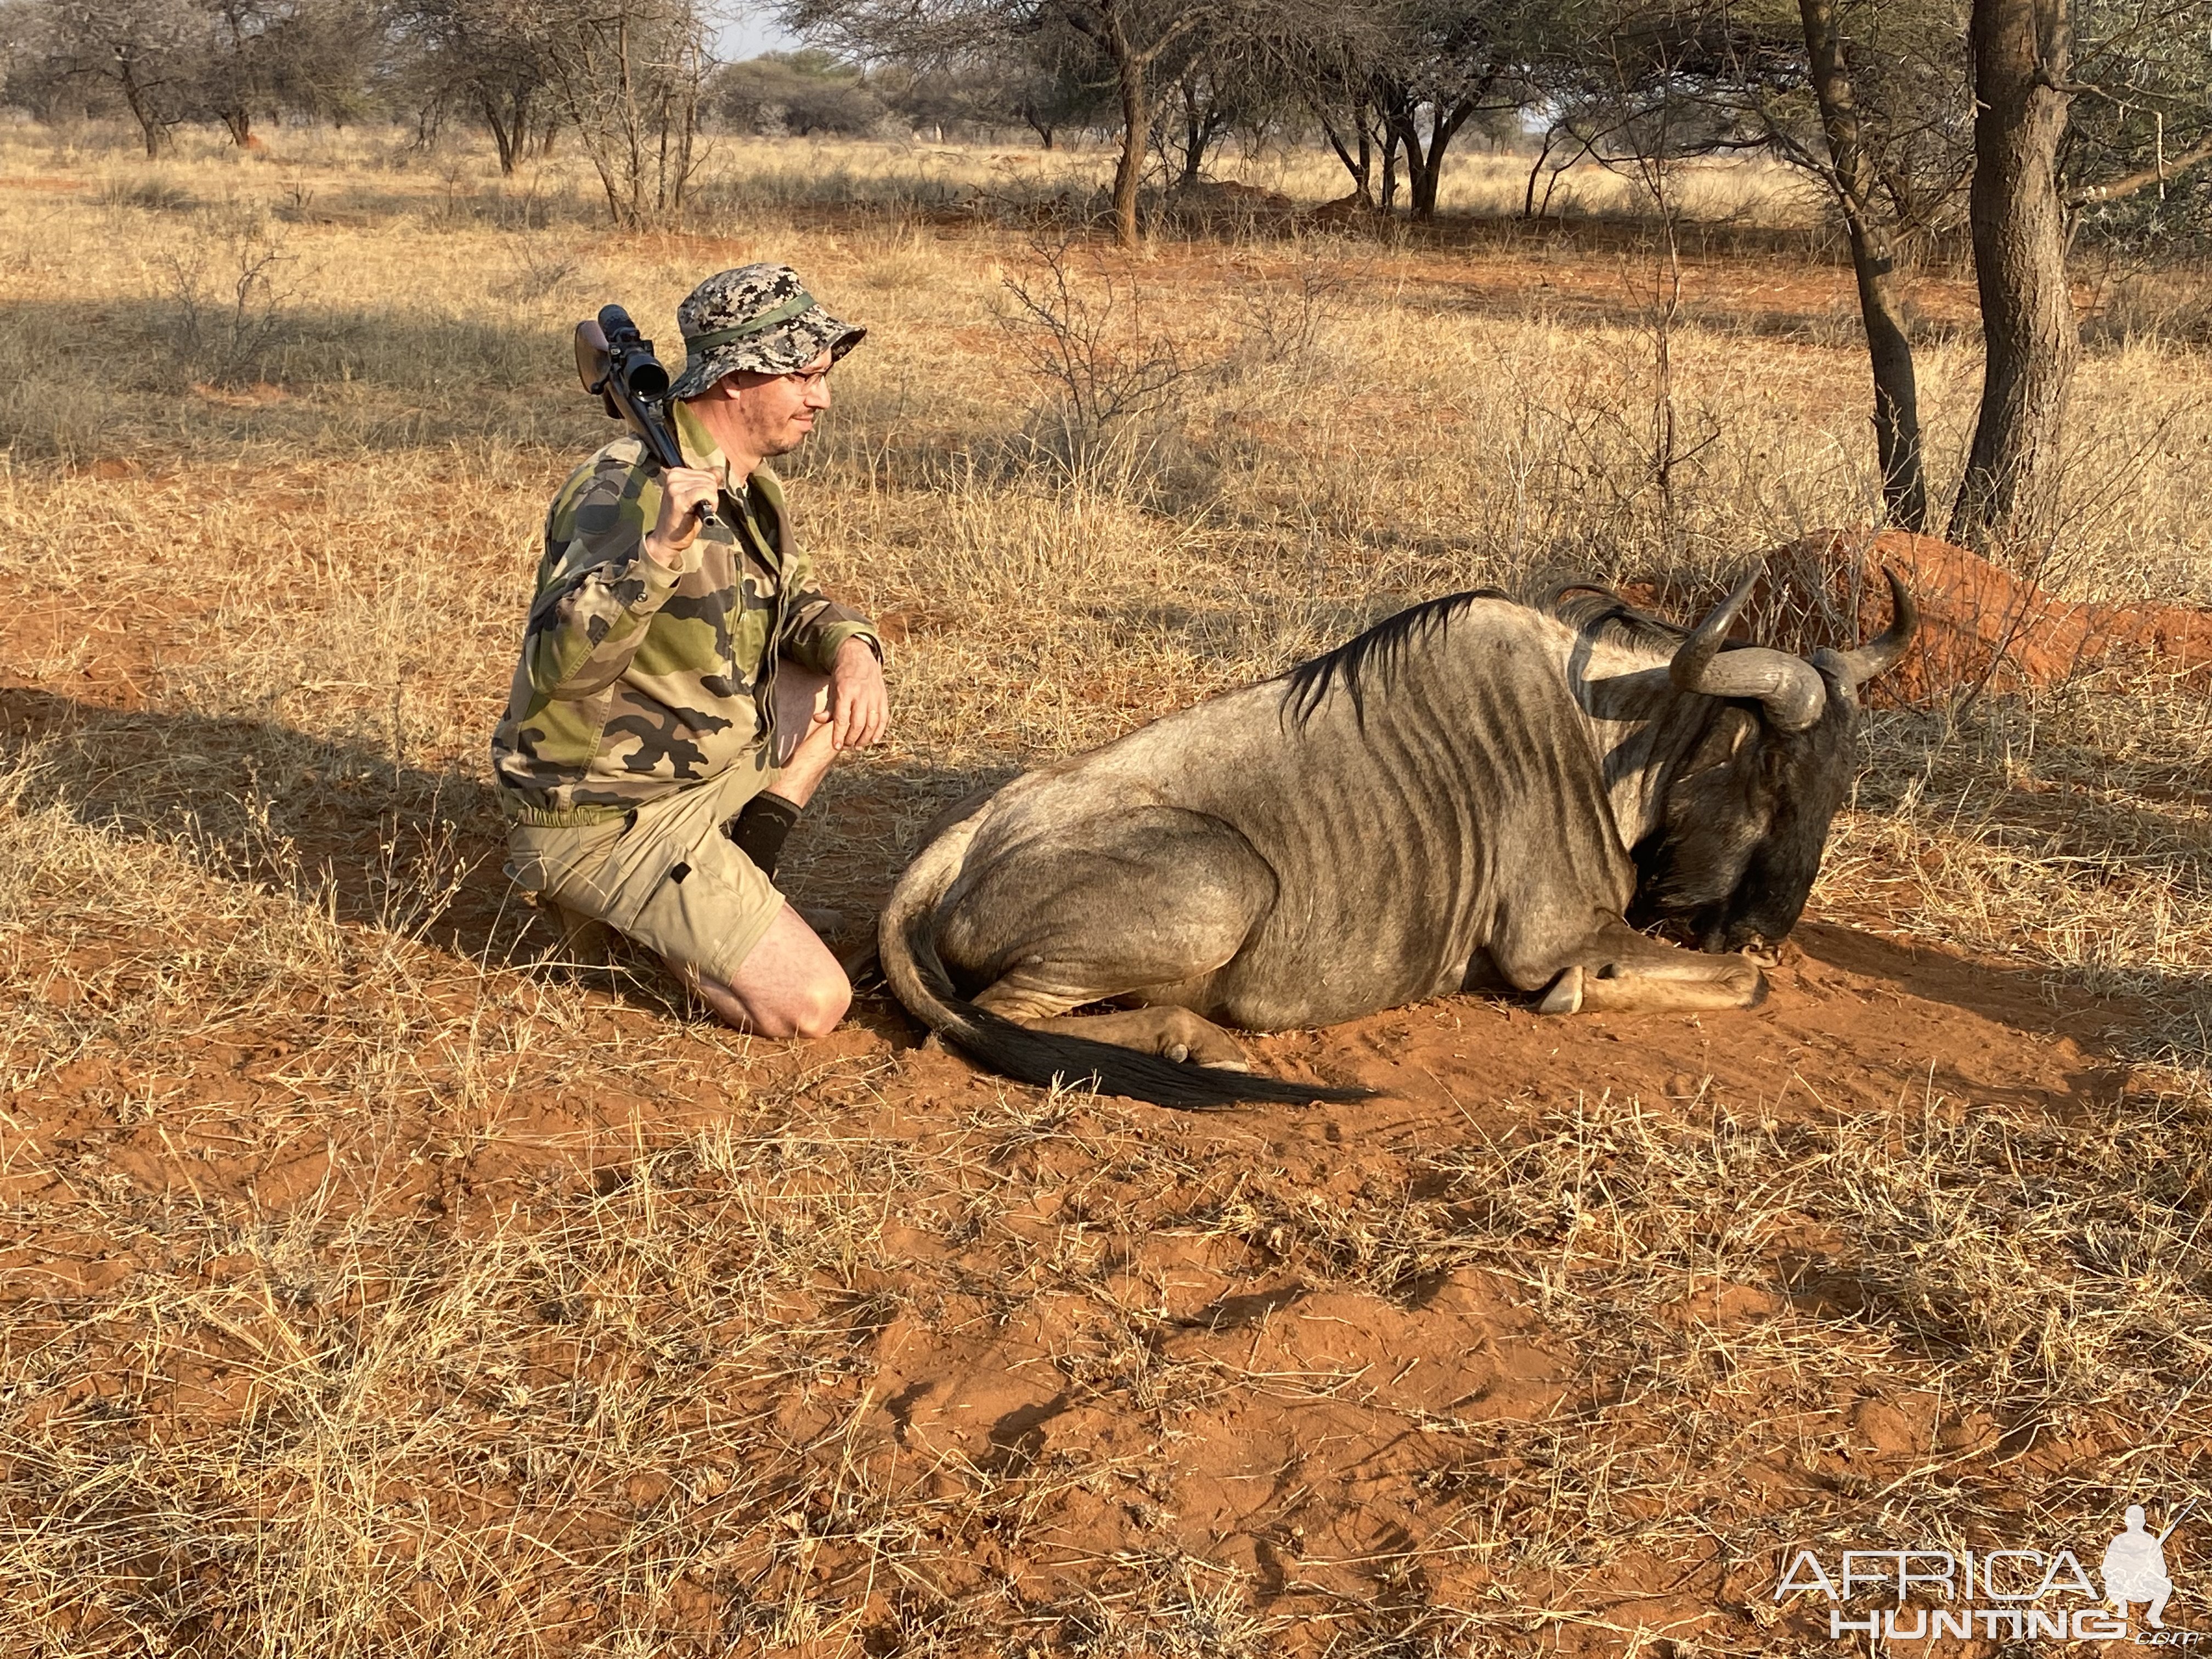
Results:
x,y
766,415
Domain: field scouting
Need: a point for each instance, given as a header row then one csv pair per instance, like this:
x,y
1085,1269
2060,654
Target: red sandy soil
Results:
x,y
1358,1419
1312,1483
1347,1425
1580,271
1353,1429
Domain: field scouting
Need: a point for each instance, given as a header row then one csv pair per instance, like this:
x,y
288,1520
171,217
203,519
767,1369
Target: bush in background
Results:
x,y
795,93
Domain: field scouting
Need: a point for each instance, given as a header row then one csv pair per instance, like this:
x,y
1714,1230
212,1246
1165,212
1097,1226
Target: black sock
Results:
x,y
760,829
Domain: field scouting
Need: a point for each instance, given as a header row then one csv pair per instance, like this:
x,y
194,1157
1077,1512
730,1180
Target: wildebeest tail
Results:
x,y
1046,1059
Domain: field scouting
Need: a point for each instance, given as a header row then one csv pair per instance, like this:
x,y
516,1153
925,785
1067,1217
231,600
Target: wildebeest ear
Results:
x,y
1831,663
1723,741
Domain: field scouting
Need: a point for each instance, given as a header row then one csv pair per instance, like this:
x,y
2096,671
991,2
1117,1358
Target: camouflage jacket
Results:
x,y
637,680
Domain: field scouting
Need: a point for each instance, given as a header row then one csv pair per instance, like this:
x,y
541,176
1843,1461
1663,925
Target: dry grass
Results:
x,y
375,1288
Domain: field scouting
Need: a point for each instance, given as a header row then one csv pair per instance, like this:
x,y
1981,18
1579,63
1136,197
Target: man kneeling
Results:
x,y
683,690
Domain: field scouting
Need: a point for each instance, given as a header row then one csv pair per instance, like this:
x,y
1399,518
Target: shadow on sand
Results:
x,y
400,847
396,847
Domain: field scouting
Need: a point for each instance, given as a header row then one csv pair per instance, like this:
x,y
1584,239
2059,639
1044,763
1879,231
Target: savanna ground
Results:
x,y
373,1285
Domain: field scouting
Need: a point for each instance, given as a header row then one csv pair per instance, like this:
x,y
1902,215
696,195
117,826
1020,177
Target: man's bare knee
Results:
x,y
818,1008
788,984
810,1008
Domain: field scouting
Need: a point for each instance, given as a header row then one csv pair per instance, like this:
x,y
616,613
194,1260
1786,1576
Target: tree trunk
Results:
x,y
1889,349
506,136
140,105
1195,137
2022,53
239,123
1424,164
1136,123
1422,171
677,159
1361,171
1391,104
1544,155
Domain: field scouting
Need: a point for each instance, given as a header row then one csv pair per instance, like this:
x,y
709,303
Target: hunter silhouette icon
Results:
x,y
2135,1567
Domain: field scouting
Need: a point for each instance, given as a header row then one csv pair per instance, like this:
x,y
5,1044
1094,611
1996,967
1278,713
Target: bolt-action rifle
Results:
x,y
617,367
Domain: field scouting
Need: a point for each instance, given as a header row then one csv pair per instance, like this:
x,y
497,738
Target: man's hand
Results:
x,y
683,490
859,707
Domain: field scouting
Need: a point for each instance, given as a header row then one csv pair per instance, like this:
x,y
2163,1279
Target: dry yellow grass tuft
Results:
x,y
375,1286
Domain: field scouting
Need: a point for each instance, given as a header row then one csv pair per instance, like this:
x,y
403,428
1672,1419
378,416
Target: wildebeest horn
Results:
x,y
1879,656
1790,688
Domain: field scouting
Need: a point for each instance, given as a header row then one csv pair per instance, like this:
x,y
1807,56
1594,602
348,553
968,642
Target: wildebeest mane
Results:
x,y
1603,616
1377,651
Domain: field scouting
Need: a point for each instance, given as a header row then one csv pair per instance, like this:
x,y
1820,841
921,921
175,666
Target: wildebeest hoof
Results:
x,y
1566,996
1181,1054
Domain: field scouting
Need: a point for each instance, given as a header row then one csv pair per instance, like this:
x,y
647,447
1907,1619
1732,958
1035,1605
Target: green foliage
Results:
x,y
2140,138
795,92
2153,226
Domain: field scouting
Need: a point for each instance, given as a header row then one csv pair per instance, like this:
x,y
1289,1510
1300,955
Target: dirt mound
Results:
x,y
1208,201
1349,210
1979,624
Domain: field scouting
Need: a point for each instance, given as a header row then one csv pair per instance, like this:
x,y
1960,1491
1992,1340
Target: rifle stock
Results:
x,y
617,367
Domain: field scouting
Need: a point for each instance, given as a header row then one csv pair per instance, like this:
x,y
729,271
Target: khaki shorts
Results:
x,y
665,876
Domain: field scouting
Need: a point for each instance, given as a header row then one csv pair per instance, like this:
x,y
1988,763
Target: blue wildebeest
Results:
x,y
1472,795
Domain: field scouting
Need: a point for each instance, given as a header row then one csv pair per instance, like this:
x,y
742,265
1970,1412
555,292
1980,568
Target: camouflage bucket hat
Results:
x,y
759,317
